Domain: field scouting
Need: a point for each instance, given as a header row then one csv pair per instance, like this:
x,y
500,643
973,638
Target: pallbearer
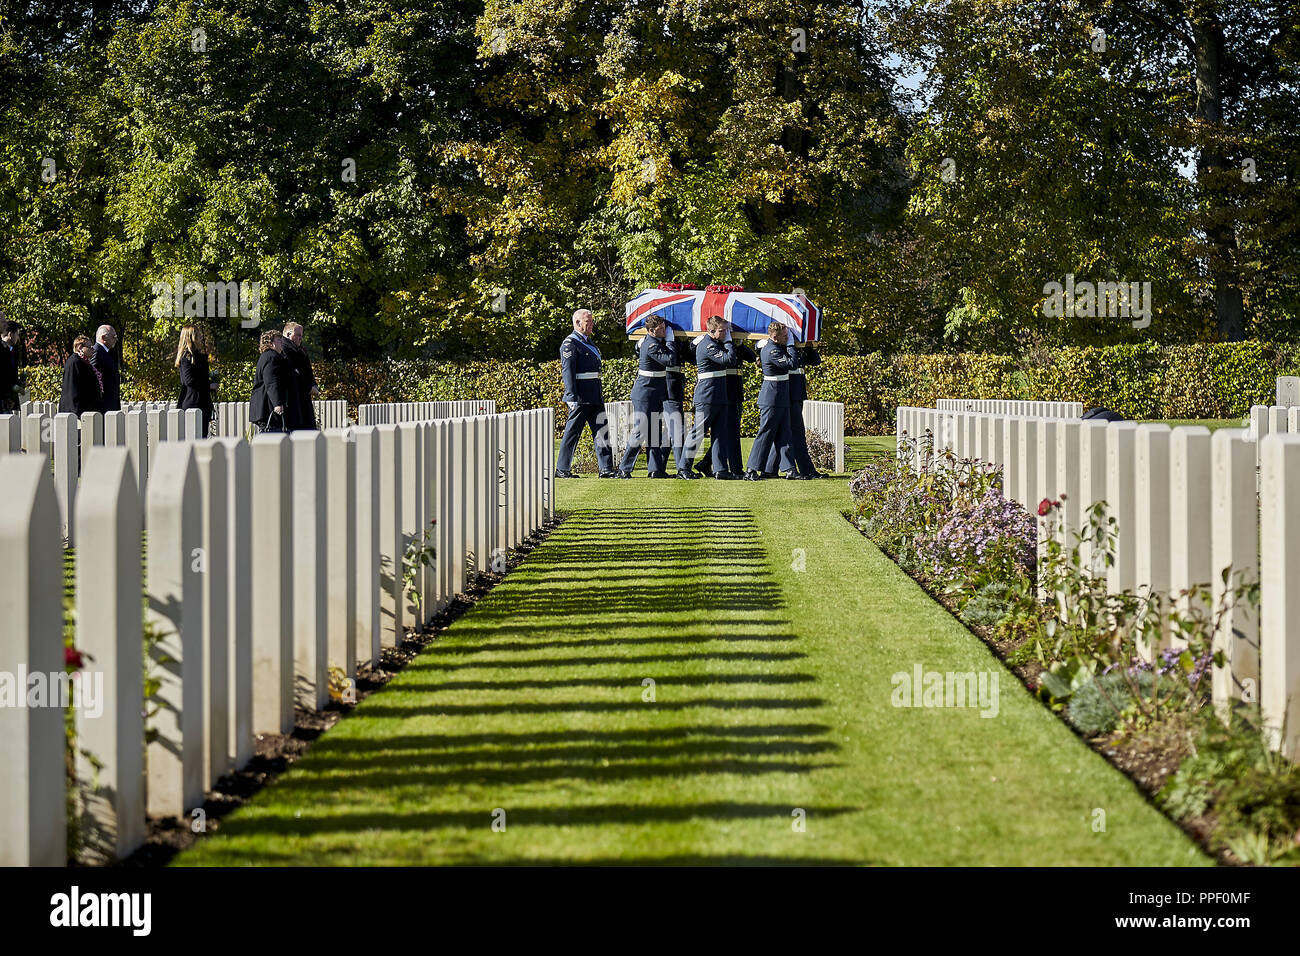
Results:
x,y
773,404
735,408
799,357
580,364
715,357
674,414
648,395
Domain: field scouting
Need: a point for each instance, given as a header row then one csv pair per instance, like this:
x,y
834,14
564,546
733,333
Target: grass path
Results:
x,y
772,693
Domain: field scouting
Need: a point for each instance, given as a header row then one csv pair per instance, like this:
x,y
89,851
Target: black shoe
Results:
x,y
622,474
609,474
725,476
753,476
793,476
657,474
771,474
704,468
687,474
565,474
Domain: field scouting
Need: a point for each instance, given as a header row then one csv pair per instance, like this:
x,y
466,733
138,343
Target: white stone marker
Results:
x,y
1068,467
311,635
1189,505
1151,488
273,583
1233,544
67,457
110,631
1288,390
1092,486
341,553
1279,639
1027,464
32,769
239,614
367,544
391,546
210,459
115,430
1121,499
157,431
175,592
137,444
11,434
176,425
414,522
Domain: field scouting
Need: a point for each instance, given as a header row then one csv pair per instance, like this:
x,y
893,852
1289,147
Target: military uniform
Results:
x,y
799,358
714,361
773,409
656,356
736,397
580,365
674,417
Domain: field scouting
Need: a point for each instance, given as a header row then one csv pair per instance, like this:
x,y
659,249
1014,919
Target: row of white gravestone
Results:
x,y
231,419
998,406
266,562
392,412
1185,505
69,441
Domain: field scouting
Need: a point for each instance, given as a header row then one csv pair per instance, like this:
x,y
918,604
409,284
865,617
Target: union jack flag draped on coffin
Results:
x,y
688,310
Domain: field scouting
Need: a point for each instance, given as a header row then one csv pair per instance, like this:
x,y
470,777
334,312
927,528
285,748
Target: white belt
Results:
x,y
700,376
775,378
733,371
674,368
646,374
796,371
587,375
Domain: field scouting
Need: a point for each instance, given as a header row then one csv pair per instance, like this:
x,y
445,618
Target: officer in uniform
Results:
x,y
715,357
648,395
674,417
798,395
736,404
580,363
773,404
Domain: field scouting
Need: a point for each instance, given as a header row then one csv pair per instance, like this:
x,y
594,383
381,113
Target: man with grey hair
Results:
x,y
105,363
580,366
304,380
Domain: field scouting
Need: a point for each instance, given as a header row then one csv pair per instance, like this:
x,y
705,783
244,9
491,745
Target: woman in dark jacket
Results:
x,y
82,391
270,406
196,384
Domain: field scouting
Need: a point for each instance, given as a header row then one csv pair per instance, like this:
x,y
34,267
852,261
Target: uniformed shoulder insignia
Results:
x,y
567,349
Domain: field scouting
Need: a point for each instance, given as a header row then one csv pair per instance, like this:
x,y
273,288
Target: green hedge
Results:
x,y
1181,381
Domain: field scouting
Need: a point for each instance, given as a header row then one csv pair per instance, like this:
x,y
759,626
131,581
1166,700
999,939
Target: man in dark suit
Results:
x,y
105,363
82,391
305,388
10,386
715,357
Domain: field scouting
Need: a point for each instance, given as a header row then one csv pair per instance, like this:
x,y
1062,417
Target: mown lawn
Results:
x,y
770,629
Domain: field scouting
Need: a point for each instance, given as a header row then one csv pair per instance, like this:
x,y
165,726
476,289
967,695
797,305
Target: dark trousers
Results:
x,y
579,418
715,420
773,435
674,423
731,446
647,428
798,444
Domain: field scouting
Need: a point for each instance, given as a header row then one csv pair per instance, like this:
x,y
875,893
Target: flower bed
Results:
x,y
1129,672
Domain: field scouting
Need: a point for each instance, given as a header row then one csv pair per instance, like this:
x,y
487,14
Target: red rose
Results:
x,y
72,658
1044,507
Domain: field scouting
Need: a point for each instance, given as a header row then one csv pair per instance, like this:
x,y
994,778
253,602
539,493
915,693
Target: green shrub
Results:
x,y
1093,707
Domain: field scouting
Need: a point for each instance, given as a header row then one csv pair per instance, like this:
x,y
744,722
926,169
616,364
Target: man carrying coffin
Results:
x,y
648,395
674,417
798,395
735,408
715,357
773,404
580,365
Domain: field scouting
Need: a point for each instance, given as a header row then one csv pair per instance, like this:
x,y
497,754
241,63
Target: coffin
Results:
x,y
687,310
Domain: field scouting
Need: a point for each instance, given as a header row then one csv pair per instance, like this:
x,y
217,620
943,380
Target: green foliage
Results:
x,y
1100,704
420,553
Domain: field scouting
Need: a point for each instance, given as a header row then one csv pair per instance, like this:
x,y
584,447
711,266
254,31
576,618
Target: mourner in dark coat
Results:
x,y
271,404
10,386
82,391
304,379
196,382
106,362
